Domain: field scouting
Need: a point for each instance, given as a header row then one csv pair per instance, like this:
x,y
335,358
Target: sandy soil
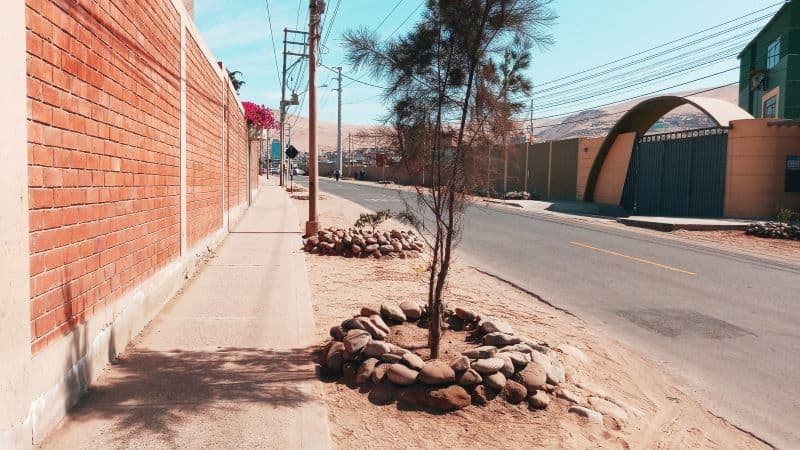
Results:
x,y
781,248
661,414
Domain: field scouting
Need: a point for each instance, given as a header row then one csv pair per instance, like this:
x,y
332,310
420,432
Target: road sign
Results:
x,y
291,152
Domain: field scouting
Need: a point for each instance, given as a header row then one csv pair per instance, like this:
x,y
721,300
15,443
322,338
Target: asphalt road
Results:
x,y
727,323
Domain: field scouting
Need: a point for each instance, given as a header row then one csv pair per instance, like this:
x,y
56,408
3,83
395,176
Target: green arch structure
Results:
x,y
641,117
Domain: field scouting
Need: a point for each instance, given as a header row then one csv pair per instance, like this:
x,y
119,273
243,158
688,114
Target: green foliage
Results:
x,y
236,79
373,220
789,216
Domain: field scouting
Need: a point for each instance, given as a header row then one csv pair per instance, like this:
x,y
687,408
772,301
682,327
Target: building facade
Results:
x,y
769,70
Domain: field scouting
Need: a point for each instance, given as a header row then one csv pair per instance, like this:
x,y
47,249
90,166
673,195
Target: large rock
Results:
x,y
364,372
337,332
500,339
373,329
494,325
487,351
353,324
592,415
460,363
519,348
378,322
334,359
556,373
574,352
465,314
606,407
355,340
508,364
411,310
533,377
391,358
393,313
371,248
570,396
450,398
413,361
470,378
401,375
367,311
539,400
520,360
488,365
375,349
495,381
514,392
437,372
387,248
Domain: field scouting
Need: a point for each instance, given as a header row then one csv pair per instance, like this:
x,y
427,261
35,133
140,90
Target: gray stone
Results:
x,y
500,339
437,372
494,325
378,322
539,400
487,351
519,348
593,416
401,375
355,340
556,373
364,372
495,381
607,408
460,364
375,349
508,365
574,352
393,313
570,396
488,365
470,378
411,310
413,361
520,360
465,314
371,328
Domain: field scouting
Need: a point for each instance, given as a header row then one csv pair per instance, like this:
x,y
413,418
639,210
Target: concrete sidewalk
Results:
x,y
226,364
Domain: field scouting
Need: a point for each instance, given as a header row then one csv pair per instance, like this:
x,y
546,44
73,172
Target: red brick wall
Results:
x,y
236,145
104,152
204,145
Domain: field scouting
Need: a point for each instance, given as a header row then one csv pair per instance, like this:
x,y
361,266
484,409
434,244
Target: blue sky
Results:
x,y
587,33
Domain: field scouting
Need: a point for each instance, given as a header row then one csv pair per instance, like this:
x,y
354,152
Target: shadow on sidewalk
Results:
x,y
155,392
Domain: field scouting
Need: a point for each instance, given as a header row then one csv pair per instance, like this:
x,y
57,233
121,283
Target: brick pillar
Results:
x,y
184,239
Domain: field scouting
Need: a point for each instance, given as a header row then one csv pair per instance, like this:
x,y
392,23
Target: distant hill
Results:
x,y
589,123
597,122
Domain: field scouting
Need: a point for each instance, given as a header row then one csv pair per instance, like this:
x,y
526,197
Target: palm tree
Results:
x,y
235,75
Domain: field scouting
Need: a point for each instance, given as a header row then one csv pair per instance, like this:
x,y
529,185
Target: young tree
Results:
x,y
432,75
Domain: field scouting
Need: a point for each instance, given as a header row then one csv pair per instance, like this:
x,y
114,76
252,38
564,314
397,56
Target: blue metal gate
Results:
x,y
678,174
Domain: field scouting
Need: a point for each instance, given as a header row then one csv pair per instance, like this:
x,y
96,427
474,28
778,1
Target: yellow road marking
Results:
x,y
652,263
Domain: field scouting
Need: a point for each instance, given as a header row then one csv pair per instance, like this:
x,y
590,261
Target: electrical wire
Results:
x,y
387,16
404,21
664,44
272,39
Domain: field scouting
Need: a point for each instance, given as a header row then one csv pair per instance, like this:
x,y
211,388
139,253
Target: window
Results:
x,y
774,53
770,107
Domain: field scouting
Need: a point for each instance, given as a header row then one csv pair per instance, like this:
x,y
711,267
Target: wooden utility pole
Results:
x,y
316,8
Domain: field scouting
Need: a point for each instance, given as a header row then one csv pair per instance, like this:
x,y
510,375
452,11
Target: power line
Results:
x,y
387,16
661,45
272,39
324,43
404,21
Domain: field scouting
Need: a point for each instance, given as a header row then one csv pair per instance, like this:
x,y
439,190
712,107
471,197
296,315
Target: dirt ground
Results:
x,y
661,414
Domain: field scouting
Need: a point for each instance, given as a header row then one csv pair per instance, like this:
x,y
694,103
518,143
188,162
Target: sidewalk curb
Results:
x,y
665,226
